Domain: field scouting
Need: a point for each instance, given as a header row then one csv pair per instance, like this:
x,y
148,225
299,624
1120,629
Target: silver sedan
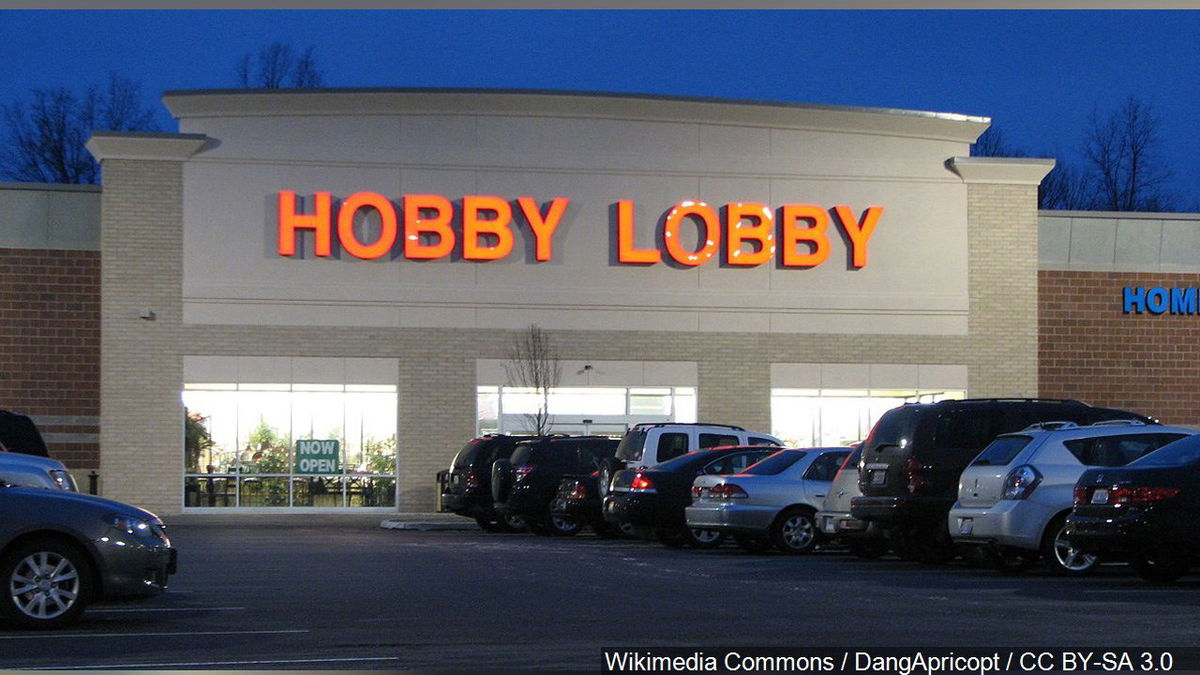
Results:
x,y
773,502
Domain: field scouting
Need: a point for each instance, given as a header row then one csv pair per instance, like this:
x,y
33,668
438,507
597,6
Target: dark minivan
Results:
x,y
912,460
1144,512
467,486
525,484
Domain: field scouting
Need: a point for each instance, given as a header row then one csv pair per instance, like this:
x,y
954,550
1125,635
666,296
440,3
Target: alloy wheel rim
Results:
x,y
562,524
1070,558
797,532
705,536
44,585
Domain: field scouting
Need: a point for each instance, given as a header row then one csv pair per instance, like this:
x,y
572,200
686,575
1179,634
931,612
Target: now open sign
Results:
x,y
317,456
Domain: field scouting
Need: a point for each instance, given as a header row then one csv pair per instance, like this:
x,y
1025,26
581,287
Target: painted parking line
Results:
x,y
217,664
208,633
114,610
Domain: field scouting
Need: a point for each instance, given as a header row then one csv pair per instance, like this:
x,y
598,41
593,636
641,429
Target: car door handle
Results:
x,y
818,495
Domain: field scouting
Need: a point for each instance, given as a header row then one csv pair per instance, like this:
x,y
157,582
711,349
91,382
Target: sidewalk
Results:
x,y
421,521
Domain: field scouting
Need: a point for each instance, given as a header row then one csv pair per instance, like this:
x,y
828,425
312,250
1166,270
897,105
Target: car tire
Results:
x,y
1161,568
753,543
627,530
1009,561
868,550
701,538
1061,557
917,544
561,526
605,530
47,583
608,467
501,479
795,531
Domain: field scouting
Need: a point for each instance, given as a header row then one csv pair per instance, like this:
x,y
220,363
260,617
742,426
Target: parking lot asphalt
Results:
x,y
348,594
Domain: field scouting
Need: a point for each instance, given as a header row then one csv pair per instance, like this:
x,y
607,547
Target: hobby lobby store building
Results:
x,y
323,287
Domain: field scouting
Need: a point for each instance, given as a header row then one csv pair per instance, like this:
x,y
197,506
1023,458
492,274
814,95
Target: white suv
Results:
x,y
648,444
1013,499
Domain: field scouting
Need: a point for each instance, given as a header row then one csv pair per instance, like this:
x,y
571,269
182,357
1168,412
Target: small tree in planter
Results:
x,y
533,363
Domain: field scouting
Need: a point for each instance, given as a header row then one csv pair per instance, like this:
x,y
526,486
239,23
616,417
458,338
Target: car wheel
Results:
x,y
1063,558
671,537
752,543
1160,567
604,530
698,538
868,550
795,531
561,526
628,530
920,545
47,584
608,467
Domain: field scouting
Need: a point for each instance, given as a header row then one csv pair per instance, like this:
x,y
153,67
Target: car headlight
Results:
x,y
151,530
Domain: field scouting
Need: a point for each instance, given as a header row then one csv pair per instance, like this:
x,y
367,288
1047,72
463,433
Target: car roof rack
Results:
x,y
1118,423
648,425
1011,398
1051,426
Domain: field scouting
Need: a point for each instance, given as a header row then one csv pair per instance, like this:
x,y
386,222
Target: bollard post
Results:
x,y
93,483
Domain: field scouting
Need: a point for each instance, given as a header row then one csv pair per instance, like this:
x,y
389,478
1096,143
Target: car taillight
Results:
x,y
1021,482
727,491
696,492
1082,494
472,479
519,472
1140,495
578,492
916,478
641,484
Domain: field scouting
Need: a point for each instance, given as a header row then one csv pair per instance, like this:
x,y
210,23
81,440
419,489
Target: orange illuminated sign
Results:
x,y
481,228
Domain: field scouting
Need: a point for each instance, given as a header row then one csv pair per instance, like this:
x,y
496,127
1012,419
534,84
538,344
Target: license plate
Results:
x,y
877,477
830,525
966,525
1100,496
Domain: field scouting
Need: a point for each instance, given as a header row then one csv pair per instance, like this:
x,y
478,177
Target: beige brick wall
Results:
x,y
141,416
142,361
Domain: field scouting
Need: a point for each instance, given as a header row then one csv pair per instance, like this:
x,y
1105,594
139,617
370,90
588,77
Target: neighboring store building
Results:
x,y
283,268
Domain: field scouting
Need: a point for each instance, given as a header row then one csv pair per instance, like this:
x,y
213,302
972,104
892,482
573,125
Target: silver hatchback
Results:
x,y
1013,499
772,502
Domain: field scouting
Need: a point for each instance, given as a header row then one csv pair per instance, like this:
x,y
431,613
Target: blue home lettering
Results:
x,y
1159,300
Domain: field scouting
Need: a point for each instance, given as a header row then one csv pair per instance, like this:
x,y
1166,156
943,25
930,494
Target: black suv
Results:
x,y
466,486
525,484
912,460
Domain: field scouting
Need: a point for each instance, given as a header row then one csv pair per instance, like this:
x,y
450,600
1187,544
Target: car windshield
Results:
x,y
1182,452
776,463
1001,451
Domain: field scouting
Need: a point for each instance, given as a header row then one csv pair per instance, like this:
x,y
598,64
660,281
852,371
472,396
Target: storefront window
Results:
x,y
835,417
577,410
269,445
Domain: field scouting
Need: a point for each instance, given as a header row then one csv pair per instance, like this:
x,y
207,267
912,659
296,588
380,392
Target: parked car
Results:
x,y
653,500
18,433
1145,512
649,444
1014,498
467,485
865,540
773,502
526,483
60,551
34,471
913,458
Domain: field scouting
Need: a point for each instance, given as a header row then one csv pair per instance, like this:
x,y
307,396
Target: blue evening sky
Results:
x,y
1038,75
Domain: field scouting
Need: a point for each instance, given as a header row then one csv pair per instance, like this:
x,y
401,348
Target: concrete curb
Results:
x,y
392,524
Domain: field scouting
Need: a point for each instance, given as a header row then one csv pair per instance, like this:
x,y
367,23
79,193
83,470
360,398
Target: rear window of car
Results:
x,y
521,454
1117,450
759,440
776,463
671,445
632,445
466,456
717,440
685,462
1182,452
1002,450
896,427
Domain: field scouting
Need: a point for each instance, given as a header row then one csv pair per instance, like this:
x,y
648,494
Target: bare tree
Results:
x,y
46,135
1122,155
992,143
533,363
277,67
1066,188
